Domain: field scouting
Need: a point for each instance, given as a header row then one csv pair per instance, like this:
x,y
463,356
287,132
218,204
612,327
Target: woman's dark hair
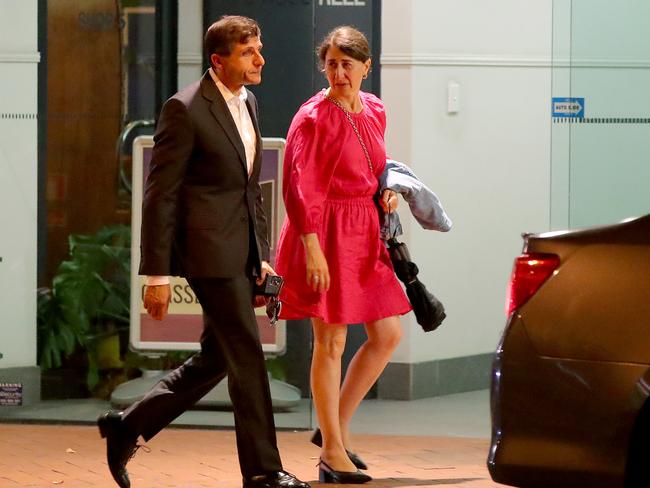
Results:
x,y
349,40
227,31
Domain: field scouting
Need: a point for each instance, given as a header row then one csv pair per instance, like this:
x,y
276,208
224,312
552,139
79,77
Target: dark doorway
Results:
x,y
290,31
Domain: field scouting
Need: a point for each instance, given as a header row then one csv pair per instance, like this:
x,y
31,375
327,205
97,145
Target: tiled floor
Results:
x,y
440,441
73,456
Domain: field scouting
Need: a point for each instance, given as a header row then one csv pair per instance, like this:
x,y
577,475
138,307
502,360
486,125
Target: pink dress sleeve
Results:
x,y
377,116
308,170
376,107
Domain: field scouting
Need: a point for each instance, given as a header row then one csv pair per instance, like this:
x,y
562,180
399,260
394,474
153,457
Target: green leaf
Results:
x,y
68,340
90,294
92,377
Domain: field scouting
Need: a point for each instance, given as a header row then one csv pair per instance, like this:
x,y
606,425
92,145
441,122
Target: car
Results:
x,y
571,374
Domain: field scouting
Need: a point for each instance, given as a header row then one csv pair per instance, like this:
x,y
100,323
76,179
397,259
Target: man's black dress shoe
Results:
x,y
277,479
328,475
120,445
317,439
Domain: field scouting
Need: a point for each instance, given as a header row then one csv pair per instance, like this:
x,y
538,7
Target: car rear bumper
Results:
x,y
537,436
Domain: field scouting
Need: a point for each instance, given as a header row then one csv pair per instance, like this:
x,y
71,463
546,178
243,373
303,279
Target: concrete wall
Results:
x,y
489,162
600,170
190,41
19,59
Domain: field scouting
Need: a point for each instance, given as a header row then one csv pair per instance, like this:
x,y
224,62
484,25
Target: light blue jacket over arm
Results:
x,y
423,202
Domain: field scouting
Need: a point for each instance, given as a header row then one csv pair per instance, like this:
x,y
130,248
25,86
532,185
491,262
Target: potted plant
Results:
x,y
87,307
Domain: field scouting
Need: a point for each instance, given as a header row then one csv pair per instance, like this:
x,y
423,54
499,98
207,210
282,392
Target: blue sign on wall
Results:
x,y
568,107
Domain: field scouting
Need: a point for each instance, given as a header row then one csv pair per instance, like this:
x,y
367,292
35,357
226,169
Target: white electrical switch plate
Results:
x,y
453,97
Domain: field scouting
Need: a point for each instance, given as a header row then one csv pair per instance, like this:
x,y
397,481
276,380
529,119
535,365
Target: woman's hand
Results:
x,y
388,201
318,275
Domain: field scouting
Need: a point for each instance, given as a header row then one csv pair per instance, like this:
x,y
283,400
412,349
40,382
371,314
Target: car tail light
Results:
x,y
529,273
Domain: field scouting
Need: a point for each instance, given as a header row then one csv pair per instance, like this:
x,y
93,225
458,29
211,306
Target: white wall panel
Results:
x,y
489,163
475,26
18,182
18,26
190,41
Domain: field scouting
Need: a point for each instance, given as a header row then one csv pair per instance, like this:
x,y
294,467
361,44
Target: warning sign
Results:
x,y
11,394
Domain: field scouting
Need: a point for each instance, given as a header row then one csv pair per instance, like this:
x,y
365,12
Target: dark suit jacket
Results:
x,y
201,213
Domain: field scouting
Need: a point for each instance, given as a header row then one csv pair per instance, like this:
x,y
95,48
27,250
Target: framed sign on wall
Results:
x,y
181,328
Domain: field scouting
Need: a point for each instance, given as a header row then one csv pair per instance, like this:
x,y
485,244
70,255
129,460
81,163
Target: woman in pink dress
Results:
x,y
336,268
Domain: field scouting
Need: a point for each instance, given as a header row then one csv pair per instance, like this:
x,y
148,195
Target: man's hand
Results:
x,y
266,269
258,300
156,300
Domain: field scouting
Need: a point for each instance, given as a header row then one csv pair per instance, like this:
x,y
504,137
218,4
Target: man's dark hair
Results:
x,y
227,31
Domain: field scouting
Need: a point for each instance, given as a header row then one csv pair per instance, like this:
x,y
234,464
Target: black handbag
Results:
x,y
429,311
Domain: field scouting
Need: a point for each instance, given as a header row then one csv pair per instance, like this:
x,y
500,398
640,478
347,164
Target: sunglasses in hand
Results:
x,y
273,309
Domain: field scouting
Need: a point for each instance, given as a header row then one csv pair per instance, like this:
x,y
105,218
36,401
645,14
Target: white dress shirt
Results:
x,y
236,103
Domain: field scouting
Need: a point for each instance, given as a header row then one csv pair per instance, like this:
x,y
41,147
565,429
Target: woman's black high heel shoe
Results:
x,y
317,439
328,475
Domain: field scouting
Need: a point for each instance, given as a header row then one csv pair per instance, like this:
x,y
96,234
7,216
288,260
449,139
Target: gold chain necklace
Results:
x,y
354,127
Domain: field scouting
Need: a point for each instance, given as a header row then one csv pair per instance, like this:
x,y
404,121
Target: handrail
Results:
x,y
120,145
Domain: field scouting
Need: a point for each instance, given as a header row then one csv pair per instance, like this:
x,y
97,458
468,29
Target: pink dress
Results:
x,y
328,189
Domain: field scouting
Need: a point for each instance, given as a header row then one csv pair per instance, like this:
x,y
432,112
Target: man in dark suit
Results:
x,y
202,218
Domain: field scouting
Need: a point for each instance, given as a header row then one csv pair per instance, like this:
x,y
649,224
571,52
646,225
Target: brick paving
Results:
x,y
74,456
